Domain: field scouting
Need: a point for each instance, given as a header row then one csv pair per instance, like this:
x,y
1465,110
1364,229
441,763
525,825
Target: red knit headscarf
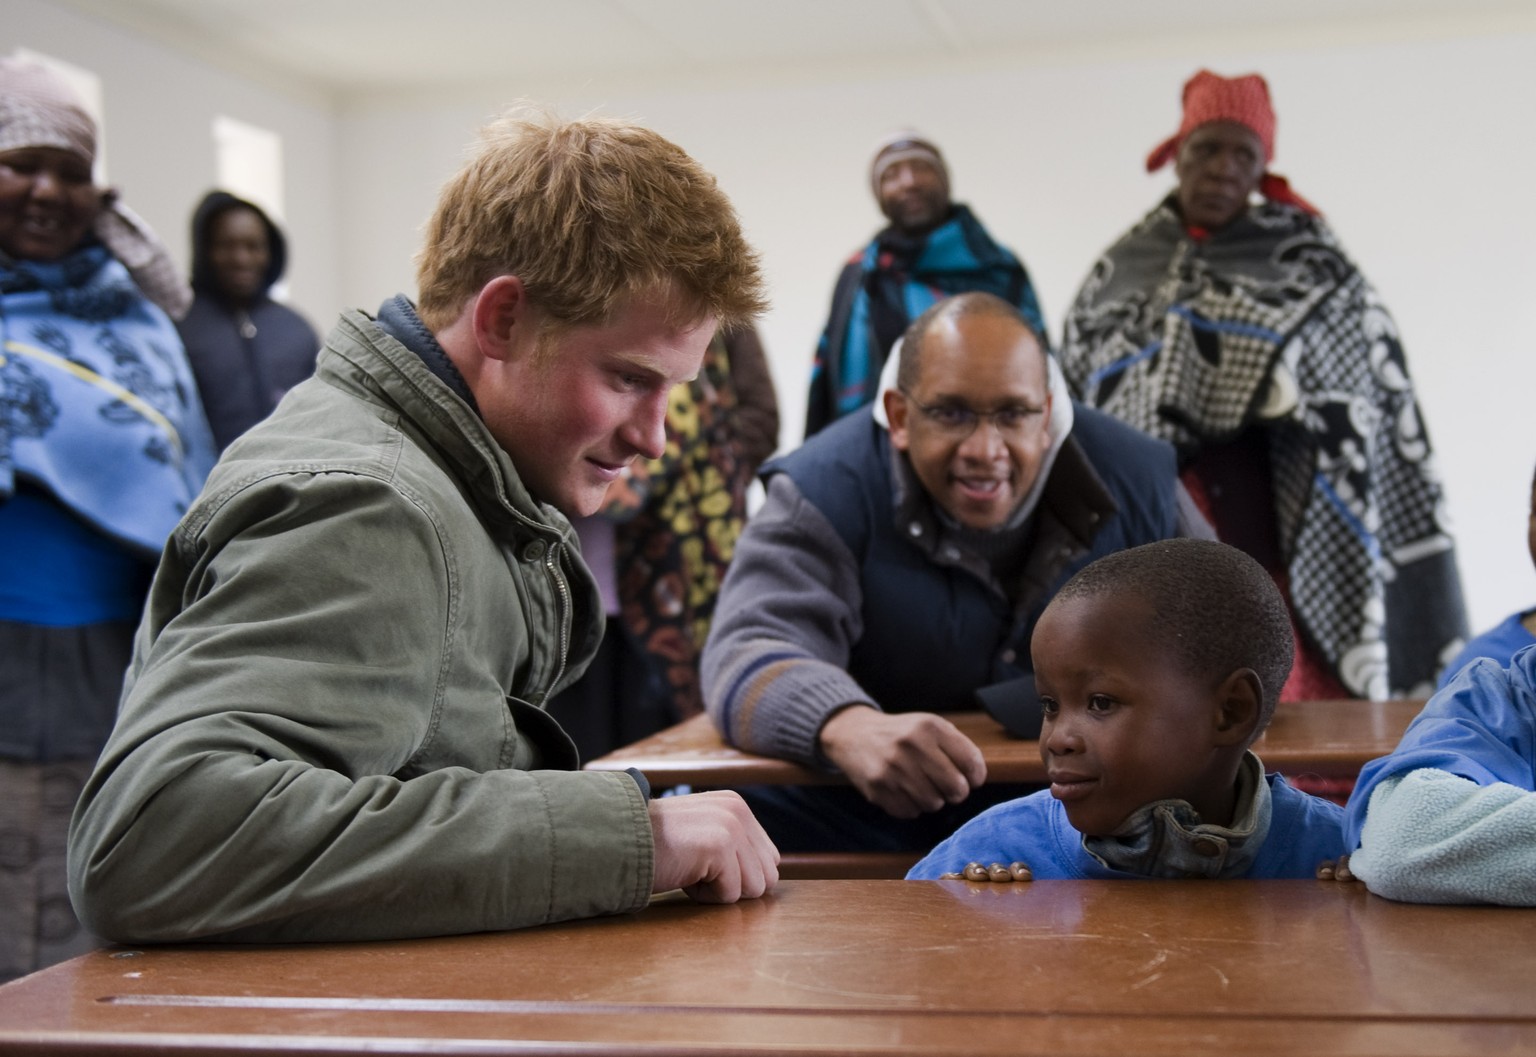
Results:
x,y
1245,100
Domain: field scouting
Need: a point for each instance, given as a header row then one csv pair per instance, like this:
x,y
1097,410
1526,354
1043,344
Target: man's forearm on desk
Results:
x,y
771,699
775,665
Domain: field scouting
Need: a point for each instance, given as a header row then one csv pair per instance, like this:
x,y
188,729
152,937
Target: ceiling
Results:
x,y
353,48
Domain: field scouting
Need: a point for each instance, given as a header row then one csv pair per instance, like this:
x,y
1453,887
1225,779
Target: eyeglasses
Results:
x,y
961,421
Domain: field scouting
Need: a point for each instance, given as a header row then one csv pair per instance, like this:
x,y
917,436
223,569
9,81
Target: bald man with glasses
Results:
x,y
899,565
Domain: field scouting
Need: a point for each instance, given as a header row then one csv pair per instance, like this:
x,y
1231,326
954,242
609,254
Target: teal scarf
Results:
x,y
891,283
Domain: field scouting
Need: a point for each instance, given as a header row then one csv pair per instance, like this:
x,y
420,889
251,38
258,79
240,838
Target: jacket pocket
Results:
x,y
538,742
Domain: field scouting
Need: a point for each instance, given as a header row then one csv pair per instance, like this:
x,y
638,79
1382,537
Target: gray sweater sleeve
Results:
x,y
776,663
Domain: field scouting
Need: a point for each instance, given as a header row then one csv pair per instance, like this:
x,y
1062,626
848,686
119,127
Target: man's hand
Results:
x,y
906,763
710,846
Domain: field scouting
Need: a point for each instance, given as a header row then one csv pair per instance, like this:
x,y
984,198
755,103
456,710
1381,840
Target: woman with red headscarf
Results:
x,y
1240,331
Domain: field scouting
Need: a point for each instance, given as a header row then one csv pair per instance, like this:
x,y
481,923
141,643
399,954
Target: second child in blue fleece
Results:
x,y
1157,667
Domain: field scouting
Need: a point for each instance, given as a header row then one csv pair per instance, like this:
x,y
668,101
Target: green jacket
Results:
x,y
331,728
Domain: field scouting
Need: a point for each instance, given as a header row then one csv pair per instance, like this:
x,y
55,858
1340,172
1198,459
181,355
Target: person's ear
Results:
x,y
502,318
1240,700
896,415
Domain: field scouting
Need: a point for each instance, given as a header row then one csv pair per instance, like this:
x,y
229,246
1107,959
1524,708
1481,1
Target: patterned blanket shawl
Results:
x,y
889,284
97,403
1269,323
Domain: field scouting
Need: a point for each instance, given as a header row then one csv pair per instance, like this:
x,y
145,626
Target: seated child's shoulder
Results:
x,y
1007,832
1304,830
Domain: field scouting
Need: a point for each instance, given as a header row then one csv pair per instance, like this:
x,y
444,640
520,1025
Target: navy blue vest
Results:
x,y
934,633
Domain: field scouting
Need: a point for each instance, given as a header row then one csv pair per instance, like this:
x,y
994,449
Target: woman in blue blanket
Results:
x,y
103,445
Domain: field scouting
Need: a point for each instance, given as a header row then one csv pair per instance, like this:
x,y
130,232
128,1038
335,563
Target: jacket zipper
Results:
x,y
552,564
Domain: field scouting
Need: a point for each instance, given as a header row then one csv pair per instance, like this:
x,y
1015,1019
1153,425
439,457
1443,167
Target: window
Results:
x,y
248,162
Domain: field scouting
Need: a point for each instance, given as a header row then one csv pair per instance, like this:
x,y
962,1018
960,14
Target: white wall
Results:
x,y
1413,139
159,107
1418,150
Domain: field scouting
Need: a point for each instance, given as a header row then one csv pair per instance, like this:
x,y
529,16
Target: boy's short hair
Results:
x,y
1215,607
587,214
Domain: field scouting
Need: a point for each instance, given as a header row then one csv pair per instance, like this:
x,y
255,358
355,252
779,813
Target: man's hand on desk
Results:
x,y
711,846
905,763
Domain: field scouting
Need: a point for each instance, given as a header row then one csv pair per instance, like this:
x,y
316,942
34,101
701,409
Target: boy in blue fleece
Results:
x,y
1450,815
1157,667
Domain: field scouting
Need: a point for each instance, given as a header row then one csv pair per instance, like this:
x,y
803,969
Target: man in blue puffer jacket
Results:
x,y
900,563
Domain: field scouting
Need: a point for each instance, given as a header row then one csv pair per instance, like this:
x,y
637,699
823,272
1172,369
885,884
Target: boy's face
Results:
x,y
1125,724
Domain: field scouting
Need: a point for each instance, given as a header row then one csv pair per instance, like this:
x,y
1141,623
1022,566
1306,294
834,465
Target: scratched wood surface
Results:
x,y
1331,739
870,967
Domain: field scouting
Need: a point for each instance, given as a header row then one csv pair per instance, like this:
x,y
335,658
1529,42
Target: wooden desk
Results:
x,y
1058,968
1331,739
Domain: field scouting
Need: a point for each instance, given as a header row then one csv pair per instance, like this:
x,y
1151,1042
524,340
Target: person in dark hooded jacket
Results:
x,y
246,349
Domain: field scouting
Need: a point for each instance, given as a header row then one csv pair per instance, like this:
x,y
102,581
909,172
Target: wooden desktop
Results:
x,y
1058,968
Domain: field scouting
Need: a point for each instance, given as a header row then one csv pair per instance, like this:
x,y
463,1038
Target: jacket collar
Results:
x,y
1168,839
362,355
397,317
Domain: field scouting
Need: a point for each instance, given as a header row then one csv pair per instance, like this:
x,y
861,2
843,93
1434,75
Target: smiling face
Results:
x,y
240,252
576,406
1219,167
1125,723
979,472
47,202
914,195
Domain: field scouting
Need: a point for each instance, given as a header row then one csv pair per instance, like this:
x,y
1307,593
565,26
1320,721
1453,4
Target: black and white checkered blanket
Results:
x,y
1269,323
